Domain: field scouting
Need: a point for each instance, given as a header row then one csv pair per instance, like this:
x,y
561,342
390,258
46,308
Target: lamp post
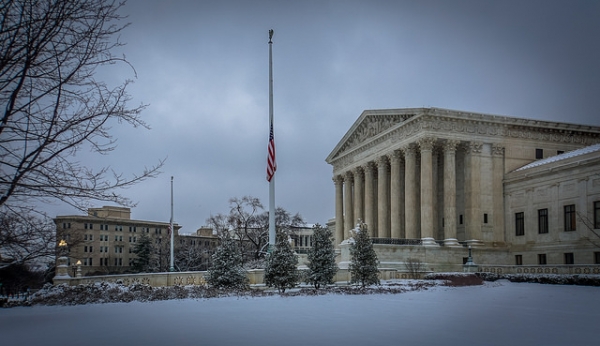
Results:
x,y
62,269
78,269
470,266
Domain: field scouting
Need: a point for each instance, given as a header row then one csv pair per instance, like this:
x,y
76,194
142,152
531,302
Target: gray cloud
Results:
x,y
203,68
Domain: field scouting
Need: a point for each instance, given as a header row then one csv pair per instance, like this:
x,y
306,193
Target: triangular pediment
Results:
x,y
369,125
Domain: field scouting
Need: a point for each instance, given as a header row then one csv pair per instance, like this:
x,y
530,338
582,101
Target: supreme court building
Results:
x,y
429,182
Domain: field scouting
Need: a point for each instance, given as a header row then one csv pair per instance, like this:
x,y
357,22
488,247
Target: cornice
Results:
x,y
458,126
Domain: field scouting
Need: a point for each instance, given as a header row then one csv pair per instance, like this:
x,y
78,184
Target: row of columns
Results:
x,y
405,193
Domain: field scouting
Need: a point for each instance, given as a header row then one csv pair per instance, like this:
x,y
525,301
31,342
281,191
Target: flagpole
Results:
x,y
172,266
272,233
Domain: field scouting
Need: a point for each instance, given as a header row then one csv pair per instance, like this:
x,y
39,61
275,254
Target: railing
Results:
x,y
396,241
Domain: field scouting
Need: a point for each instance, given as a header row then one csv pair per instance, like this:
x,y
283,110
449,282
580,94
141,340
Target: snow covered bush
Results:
x,y
281,271
226,270
321,258
364,262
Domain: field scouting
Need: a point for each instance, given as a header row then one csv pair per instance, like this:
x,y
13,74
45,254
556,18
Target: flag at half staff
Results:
x,y
271,164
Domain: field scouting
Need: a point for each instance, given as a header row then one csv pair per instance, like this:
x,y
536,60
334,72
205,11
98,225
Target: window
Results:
x,y
539,154
542,221
519,260
542,258
569,218
485,218
597,214
569,258
597,257
558,152
91,237
460,219
519,224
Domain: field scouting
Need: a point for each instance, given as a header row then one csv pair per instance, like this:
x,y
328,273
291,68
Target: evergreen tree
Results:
x,y
144,249
226,270
321,258
281,271
363,266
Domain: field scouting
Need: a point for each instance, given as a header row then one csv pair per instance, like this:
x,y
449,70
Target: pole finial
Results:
x,y
270,35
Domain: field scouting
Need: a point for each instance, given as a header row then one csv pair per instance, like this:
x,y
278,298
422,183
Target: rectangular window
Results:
x,y
597,215
91,237
519,260
519,224
570,217
569,258
542,221
558,152
539,154
597,257
542,258
460,219
485,218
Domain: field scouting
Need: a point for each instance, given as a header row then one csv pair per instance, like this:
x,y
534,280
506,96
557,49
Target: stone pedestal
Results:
x,y
451,242
429,242
62,269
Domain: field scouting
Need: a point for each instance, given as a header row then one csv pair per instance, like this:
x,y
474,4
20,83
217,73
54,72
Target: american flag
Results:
x,y
271,164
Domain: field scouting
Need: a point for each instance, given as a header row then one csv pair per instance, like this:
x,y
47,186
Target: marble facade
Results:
x,y
435,177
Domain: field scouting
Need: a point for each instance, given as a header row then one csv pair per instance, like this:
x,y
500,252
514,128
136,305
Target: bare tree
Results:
x,y
52,104
26,238
248,224
414,267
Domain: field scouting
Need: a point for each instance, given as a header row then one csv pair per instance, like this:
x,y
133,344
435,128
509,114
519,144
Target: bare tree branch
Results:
x,y
52,106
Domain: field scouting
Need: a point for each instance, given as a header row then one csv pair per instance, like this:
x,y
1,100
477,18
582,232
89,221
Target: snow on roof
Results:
x,y
567,155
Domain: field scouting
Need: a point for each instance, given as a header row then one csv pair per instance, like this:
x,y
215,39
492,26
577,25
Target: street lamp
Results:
x,y
62,269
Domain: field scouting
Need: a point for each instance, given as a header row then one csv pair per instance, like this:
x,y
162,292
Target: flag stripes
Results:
x,y
271,164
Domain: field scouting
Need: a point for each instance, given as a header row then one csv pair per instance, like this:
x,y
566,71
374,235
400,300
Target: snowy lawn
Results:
x,y
497,313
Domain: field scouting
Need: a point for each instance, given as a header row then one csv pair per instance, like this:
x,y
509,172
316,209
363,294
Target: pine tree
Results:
x,y
143,250
363,266
281,271
321,258
226,270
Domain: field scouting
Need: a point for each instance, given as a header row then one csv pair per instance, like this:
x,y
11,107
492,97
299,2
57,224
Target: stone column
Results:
x,y
383,192
396,194
473,193
410,188
348,205
497,216
369,197
339,209
450,193
358,194
426,145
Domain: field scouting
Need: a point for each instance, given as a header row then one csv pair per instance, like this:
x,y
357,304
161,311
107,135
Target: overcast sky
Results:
x,y
202,66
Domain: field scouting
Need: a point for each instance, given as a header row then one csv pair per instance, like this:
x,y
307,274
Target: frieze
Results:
x,y
372,126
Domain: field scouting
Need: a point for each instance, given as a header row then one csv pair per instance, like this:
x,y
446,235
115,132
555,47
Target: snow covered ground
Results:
x,y
498,313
